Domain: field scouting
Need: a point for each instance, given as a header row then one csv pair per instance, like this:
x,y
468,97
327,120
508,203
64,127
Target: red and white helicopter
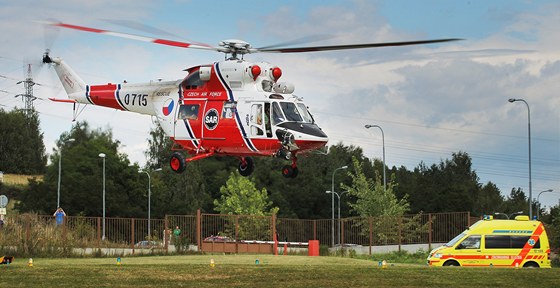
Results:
x,y
232,107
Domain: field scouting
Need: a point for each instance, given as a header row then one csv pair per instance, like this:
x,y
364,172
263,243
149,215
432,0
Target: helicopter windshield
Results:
x,y
290,112
304,113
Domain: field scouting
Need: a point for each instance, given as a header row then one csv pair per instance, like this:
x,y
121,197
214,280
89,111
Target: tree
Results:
x,y
372,199
81,181
240,197
516,202
489,200
22,150
448,187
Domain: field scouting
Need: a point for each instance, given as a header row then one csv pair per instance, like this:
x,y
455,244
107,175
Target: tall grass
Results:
x,y
19,180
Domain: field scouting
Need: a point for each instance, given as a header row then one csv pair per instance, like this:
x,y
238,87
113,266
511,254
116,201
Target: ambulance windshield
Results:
x,y
455,240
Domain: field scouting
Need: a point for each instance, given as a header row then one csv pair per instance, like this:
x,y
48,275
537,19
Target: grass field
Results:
x,y
272,271
19,180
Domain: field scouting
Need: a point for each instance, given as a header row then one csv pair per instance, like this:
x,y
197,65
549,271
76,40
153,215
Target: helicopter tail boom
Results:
x,y
71,82
154,98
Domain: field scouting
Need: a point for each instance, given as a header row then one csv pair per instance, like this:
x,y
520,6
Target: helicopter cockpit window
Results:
x,y
189,112
257,119
229,109
192,81
277,115
291,111
305,113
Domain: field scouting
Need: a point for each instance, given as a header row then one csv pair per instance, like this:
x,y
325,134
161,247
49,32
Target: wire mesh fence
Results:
x,y
35,234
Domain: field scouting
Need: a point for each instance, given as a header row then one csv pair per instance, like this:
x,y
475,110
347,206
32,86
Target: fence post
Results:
x,y
341,233
236,234
98,232
430,231
400,232
132,235
64,242
370,234
274,238
314,229
27,234
198,230
468,218
165,234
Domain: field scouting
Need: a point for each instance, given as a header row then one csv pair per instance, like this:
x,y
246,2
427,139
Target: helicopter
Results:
x,y
231,107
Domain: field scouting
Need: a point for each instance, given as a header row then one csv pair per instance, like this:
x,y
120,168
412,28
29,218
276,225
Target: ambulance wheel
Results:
x,y
531,265
246,169
289,172
177,162
451,263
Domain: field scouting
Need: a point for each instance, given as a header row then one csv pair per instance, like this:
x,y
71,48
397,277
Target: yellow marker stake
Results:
x,y
30,262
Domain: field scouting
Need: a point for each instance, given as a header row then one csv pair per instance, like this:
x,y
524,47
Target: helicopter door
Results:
x,y
188,123
260,123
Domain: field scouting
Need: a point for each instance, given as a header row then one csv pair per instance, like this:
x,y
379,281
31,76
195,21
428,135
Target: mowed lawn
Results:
x,y
272,271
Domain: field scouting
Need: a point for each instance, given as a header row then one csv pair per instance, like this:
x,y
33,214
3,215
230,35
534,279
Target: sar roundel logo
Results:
x,y
211,119
168,106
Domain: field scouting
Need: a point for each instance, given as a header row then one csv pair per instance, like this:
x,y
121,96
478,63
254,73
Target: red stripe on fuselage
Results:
x,y
104,95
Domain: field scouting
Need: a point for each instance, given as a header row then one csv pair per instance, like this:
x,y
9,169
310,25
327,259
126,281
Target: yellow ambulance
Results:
x,y
496,243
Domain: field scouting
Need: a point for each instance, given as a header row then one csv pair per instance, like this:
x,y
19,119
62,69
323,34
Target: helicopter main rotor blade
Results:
x,y
352,46
135,37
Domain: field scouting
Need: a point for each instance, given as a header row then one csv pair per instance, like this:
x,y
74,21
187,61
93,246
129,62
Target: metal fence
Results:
x,y
34,234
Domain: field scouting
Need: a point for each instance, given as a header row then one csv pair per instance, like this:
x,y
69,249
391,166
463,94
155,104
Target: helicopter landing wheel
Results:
x,y
177,162
246,166
289,172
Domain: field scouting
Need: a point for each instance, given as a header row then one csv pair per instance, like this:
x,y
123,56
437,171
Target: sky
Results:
x,y
430,100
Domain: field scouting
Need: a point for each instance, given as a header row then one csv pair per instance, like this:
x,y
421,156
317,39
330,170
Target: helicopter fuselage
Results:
x,y
231,107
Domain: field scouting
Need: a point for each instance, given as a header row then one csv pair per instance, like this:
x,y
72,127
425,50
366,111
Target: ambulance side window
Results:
x,y
471,242
507,242
497,242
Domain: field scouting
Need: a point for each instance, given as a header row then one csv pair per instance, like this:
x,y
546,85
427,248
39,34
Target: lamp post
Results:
x,y
339,168
539,209
102,155
338,195
149,198
383,139
60,172
511,100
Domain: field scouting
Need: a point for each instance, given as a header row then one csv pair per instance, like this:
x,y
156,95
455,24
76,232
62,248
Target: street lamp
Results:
x,y
511,100
60,171
102,155
339,168
539,209
338,195
149,198
383,139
